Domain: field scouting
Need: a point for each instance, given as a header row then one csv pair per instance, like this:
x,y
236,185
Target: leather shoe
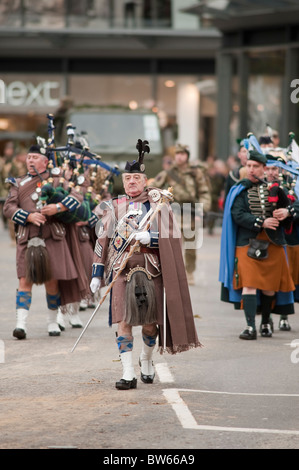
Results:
x,y
123,384
270,323
248,333
19,333
284,325
146,379
266,331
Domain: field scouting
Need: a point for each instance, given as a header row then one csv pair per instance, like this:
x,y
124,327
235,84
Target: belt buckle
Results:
x,y
137,249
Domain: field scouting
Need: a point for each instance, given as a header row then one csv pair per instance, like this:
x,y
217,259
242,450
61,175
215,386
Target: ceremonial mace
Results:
x,y
165,196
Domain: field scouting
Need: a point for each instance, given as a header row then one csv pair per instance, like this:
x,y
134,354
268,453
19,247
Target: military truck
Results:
x,y
113,134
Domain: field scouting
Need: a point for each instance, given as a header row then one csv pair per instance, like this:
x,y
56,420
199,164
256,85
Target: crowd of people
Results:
x,y
75,237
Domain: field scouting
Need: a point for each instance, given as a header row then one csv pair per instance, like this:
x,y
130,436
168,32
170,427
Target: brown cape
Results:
x,y
181,332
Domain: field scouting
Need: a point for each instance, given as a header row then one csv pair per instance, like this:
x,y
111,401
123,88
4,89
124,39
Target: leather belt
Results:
x,y
144,249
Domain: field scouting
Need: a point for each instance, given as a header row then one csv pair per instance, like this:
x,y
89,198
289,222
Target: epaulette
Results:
x,y
11,180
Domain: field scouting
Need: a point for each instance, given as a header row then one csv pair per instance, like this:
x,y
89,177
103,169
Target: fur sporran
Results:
x,y
38,268
140,299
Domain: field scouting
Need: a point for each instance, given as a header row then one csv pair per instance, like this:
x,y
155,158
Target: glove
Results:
x,y
143,237
95,284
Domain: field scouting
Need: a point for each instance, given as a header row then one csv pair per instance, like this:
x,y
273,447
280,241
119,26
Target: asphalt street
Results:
x,y
229,394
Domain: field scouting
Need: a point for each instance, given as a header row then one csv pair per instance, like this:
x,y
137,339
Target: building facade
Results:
x,y
134,55
212,70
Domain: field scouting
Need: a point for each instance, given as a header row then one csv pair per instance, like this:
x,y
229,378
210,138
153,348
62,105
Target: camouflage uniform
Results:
x,y
189,185
14,168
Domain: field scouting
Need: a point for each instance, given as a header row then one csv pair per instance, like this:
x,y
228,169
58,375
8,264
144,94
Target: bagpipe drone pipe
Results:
x,y
284,192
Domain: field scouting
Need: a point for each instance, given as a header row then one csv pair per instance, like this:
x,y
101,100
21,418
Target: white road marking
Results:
x,y
188,421
164,374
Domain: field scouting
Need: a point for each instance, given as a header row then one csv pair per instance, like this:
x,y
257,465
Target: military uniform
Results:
x,y
55,240
189,185
282,195
248,262
139,276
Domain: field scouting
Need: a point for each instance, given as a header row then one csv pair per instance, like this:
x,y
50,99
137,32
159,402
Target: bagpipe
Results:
x,y
287,161
285,190
79,171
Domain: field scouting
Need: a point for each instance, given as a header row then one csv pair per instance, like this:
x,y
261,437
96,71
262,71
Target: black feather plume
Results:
x,y
142,147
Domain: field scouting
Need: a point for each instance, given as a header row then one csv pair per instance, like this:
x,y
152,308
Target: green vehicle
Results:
x,y
113,134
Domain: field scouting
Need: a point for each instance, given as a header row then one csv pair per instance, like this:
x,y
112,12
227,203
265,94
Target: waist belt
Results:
x,y
144,249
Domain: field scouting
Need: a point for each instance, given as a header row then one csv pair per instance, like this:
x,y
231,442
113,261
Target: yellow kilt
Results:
x,y
272,273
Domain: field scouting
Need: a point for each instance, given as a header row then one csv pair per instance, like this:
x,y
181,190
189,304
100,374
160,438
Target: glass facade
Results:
x,y
258,88
97,14
262,88
29,97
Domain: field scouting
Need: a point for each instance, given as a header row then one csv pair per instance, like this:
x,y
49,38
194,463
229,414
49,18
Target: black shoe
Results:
x,y
126,384
19,333
54,333
248,333
146,379
284,325
270,323
266,331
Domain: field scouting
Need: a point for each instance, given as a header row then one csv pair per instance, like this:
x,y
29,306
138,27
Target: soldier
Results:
x,y
5,167
286,210
265,142
140,273
253,257
45,252
15,168
239,172
275,138
190,185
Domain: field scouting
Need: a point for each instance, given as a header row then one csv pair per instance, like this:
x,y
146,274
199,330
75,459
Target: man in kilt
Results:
x,y
156,264
47,250
253,266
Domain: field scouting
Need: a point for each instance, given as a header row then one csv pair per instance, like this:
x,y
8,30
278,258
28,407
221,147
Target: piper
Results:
x,y
138,250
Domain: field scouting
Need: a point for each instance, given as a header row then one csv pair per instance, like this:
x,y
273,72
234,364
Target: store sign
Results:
x,y
20,93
